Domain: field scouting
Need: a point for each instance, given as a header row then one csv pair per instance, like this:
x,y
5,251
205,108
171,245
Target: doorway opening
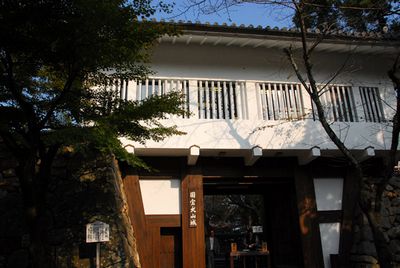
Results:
x,y
265,209
170,247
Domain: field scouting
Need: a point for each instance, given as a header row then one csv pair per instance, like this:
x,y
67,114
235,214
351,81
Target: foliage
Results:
x,y
357,15
62,64
54,52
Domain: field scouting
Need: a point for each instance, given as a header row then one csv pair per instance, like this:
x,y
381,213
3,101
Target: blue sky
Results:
x,y
246,14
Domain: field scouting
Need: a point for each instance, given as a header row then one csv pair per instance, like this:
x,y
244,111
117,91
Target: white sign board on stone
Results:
x,y
257,229
97,232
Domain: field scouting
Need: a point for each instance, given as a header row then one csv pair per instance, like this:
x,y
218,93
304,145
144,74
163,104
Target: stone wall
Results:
x,y
84,188
363,253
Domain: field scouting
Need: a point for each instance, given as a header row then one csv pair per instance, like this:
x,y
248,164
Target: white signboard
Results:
x,y
97,232
192,210
257,229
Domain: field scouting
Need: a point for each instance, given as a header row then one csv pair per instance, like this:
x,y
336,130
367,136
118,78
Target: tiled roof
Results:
x,y
289,32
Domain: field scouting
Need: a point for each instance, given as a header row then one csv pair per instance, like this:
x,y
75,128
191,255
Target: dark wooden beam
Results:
x,y
308,220
164,220
330,216
349,206
137,216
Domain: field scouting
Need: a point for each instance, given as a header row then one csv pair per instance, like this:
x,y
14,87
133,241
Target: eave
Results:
x,y
250,37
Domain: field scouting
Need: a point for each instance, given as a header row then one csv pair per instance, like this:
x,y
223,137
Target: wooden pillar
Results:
x,y
309,228
193,240
349,206
137,217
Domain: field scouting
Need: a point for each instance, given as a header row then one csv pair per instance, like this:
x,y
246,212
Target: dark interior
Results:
x,y
262,202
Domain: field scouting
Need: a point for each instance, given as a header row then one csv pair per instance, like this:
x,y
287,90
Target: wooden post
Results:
x,y
349,212
98,255
193,240
137,217
309,228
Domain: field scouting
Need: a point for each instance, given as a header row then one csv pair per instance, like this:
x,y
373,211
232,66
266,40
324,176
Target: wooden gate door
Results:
x,y
170,248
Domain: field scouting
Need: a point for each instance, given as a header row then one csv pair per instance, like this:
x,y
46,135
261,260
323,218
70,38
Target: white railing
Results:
x,y
142,89
222,100
338,103
372,104
281,101
216,99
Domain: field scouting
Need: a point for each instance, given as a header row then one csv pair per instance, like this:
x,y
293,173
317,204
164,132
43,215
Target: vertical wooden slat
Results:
x,y
166,86
193,242
290,95
270,102
159,89
207,110
212,101
342,103
374,105
146,89
380,107
368,111
353,104
350,108
185,91
121,89
295,99
277,107
231,101
330,102
151,87
132,91
220,100
286,103
346,104
238,101
194,102
201,103
337,104
278,90
139,90
275,92
370,104
300,91
245,108
349,105
226,102
126,89
264,100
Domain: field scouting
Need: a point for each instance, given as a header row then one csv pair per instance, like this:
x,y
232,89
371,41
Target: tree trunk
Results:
x,y
35,211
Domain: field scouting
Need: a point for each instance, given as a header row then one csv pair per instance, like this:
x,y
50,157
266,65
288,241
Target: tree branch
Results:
x,y
16,93
314,92
66,89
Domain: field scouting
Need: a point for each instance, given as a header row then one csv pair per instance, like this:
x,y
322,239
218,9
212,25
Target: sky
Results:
x,y
246,14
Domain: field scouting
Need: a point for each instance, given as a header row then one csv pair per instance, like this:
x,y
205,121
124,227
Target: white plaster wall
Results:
x,y
328,193
161,197
261,64
272,135
330,237
221,62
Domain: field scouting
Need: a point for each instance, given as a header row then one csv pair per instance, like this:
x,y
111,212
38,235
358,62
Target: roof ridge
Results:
x,y
291,30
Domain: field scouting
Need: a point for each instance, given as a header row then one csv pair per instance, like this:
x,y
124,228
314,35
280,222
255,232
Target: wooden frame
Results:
x,y
193,239
273,170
